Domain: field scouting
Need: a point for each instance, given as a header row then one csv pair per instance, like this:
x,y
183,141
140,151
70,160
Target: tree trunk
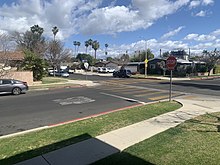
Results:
x,y
95,54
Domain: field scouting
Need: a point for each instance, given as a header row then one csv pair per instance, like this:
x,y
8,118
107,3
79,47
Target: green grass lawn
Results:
x,y
49,80
194,142
29,145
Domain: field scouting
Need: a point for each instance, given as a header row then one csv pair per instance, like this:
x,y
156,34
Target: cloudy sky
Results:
x,y
125,25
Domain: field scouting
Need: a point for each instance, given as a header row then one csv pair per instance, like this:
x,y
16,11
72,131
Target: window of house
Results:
x,y
152,66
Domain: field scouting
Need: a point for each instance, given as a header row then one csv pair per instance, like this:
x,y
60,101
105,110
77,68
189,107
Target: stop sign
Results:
x,y
171,63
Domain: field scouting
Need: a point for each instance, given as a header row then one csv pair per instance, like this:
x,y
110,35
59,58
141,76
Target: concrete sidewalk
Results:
x,y
94,149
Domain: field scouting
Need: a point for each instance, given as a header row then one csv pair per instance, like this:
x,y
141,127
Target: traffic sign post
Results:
x,y
86,65
170,64
145,69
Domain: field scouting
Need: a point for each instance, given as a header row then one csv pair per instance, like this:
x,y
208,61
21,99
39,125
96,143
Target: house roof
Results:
x,y
183,61
17,55
106,62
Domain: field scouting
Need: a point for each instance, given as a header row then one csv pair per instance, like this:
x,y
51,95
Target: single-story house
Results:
x,y
12,59
110,64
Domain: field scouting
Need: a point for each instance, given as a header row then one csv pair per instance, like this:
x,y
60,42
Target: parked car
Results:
x,y
15,87
100,69
107,70
122,73
60,74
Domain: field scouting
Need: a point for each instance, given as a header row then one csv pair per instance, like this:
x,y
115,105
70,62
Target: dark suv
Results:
x,y
122,73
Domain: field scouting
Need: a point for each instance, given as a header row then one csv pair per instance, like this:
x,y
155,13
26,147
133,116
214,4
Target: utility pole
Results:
x,y
189,53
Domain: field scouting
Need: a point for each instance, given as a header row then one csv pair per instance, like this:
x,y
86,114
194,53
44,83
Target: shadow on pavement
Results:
x,y
43,150
202,86
122,158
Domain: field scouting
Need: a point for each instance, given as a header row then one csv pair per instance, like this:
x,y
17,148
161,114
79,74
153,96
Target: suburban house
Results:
x,y
110,64
184,66
11,59
180,54
9,62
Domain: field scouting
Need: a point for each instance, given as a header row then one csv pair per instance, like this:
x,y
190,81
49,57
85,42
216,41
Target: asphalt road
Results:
x,y
204,87
43,108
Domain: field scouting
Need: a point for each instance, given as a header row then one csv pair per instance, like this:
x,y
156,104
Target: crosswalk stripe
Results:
x,y
135,91
150,93
161,97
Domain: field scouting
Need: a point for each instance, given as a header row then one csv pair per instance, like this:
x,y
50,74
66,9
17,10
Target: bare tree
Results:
x,y
31,40
162,65
6,45
56,53
124,59
211,59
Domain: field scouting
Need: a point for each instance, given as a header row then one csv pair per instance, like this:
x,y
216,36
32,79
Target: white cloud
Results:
x,y
200,38
201,14
197,3
191,36
141,14
46,14
75,16
207,2
216,33
206,38
194,4
110,20
172,33
152,10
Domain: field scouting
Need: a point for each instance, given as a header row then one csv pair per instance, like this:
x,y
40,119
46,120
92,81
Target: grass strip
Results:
x,y
194,142
49,80
16,149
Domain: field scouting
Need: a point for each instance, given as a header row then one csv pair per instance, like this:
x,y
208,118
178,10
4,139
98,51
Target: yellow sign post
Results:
x,y
145,61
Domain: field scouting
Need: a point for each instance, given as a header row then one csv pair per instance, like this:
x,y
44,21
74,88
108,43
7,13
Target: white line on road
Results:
x,y
124,98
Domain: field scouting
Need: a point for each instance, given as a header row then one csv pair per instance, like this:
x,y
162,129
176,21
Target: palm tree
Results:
x,y
90,41
106,46
55,31
75,44
36,29
95,46
78,45
86,45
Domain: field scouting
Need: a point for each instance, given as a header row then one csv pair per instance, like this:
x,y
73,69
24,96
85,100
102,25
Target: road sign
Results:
x,y
146,61
171,63
86,65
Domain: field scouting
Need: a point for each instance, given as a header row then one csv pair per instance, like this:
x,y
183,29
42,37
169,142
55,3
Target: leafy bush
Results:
x,y
34,63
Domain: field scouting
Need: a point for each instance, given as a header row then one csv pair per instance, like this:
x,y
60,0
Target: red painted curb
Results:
x,y
95,115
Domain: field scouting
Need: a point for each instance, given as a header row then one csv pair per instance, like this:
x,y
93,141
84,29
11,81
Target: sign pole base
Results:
x,y
170,94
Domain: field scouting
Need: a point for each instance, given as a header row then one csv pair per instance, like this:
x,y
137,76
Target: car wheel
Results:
x,y
16,91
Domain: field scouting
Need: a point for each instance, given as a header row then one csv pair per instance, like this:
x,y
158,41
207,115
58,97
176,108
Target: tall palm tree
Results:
x,y
106,46
75,43
36,29
78,45
95,46
90,41
86,45
55,31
